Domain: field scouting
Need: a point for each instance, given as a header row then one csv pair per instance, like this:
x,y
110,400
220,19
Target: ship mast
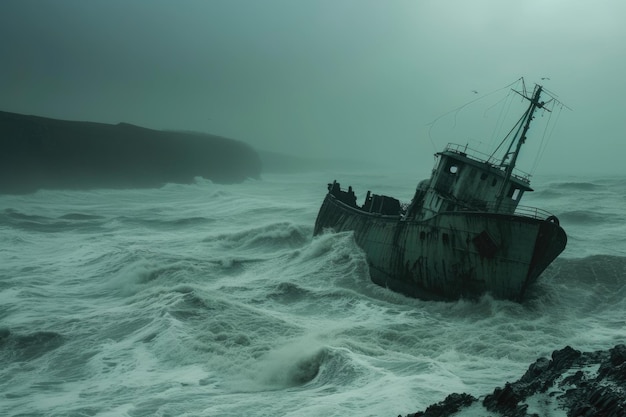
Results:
x,y
534,105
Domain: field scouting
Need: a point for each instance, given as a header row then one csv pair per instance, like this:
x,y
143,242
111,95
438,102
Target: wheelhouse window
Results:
x,y
515,193
453,167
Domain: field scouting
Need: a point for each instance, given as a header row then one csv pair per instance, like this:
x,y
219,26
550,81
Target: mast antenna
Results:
x,y
521,138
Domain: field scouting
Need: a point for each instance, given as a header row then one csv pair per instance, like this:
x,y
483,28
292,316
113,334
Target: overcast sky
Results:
x,y
362,78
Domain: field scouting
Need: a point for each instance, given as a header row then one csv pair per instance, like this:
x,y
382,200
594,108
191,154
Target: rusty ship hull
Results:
x,y
451,255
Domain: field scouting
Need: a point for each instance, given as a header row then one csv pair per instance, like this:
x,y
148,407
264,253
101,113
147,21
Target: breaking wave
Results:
x,y
226,304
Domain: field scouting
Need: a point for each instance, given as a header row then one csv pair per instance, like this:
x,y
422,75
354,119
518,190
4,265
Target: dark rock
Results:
x,y
581,383
37,152
507,400
616,366
452,404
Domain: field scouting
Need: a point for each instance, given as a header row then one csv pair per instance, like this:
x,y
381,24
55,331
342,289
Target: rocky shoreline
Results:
x,y
43,153
579,384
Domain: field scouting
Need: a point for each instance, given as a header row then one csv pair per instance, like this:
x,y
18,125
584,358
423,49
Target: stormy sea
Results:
x,y
216,300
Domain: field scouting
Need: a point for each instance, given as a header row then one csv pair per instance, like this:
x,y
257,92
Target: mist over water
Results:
x,y
209,300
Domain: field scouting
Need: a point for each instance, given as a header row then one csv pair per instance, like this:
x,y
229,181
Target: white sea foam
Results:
x,y
207,299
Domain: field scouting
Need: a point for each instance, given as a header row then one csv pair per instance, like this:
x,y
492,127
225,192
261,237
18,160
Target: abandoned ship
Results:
x,y
463,234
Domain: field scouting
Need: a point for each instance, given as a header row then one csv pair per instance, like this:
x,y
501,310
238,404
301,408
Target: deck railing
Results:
x,y
524,211
479,156
534,212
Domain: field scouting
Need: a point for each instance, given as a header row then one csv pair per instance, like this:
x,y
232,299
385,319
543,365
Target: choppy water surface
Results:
x,y
215,300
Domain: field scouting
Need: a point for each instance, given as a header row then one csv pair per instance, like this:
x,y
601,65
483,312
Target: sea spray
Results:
x,y
207,299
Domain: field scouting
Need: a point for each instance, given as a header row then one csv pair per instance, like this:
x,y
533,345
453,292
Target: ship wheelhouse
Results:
x,y
465,180
464,233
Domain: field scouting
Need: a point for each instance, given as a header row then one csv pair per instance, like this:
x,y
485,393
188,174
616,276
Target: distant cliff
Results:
x,y
37,153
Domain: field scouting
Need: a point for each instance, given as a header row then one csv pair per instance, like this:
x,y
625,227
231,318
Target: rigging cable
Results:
x,y
458,109
517,125
544,144
504,113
